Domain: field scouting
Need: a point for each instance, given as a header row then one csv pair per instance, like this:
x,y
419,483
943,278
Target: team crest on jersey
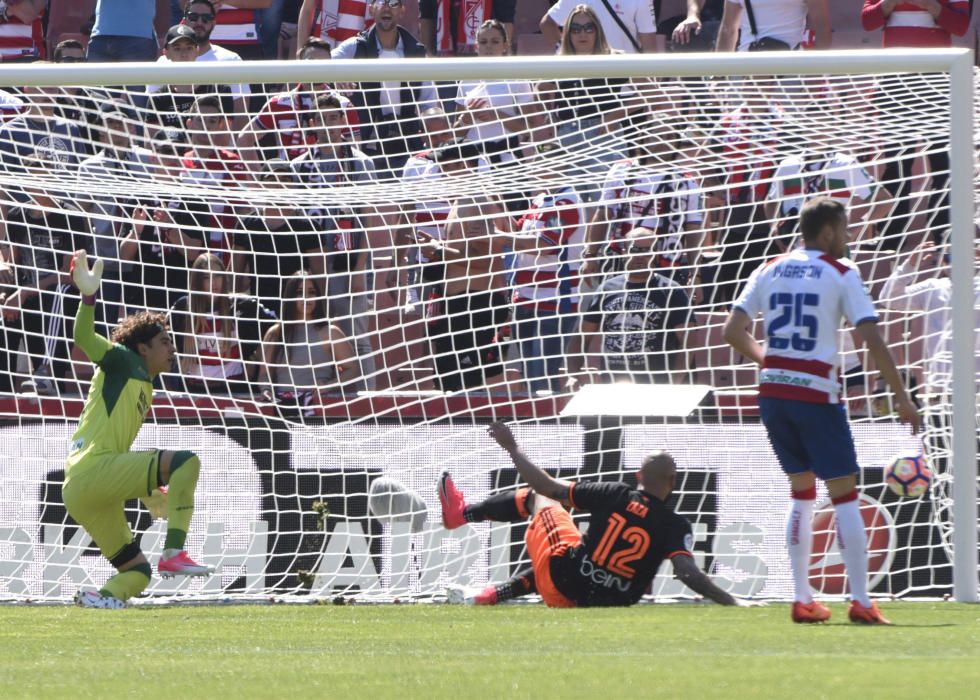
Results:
x,y
53,149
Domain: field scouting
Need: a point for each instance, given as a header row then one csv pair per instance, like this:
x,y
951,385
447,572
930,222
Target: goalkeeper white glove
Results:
x,y
87,280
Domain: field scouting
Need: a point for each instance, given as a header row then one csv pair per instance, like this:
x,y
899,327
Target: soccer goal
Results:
x,y
361,274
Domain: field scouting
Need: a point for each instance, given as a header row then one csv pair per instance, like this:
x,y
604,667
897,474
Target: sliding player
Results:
x,y
630,533
101,474
803,296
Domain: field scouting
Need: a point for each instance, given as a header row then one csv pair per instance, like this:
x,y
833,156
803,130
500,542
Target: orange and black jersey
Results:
x,y
630,533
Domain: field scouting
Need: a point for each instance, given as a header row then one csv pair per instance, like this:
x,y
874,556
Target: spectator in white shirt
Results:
x,y
199,15
921,284
776,21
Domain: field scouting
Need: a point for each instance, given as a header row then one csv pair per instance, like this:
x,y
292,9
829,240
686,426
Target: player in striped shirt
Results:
x,y
101,473
802,297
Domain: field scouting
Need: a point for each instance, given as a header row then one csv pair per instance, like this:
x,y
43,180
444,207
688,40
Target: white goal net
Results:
x,y
361,274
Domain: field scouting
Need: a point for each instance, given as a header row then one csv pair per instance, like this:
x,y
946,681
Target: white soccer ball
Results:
x,y
390,500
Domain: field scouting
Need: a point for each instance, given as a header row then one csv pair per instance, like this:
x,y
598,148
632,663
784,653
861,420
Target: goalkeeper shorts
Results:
x,y
98,486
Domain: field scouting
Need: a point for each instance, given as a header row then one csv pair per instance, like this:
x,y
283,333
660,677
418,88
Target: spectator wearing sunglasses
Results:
x,y
632,30
123,31
199,15
69,51
389,110
585,111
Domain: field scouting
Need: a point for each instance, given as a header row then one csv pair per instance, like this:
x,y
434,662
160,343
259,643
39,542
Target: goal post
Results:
x,y
963,202
410,358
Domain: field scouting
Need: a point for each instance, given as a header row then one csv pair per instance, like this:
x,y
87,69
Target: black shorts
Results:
x,y
464,339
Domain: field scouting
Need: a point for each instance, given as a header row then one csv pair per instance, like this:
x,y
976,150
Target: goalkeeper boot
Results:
x,y
94,599
180,564
461,595
810,612
452,502
866,616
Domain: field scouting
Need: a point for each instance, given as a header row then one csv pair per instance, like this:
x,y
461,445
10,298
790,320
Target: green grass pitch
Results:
x,y
433,651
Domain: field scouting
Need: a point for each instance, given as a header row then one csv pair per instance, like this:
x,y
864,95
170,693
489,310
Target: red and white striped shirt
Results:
x,y
337,20
284,114
430,215
545,276
910,26
802,297
19,40
748,140
225,167
235,27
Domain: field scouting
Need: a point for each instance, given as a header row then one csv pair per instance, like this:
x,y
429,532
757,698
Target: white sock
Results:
x,y
799,543
852,542
168,553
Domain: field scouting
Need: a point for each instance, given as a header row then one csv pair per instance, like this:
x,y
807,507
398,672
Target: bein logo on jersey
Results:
x,y
827,574
602,577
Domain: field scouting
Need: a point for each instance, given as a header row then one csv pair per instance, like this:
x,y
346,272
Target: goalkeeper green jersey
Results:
x,y
119,398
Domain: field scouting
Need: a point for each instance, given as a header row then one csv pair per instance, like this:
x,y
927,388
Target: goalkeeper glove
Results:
x,y
85,279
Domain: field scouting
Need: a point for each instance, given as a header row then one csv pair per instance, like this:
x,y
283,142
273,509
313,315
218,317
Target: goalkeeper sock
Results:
x,y
507,507
184,470
521,584
853,545
129,583
799,542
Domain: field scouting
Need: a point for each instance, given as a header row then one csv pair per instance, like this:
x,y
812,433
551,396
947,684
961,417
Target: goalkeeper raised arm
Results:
x,y
101,473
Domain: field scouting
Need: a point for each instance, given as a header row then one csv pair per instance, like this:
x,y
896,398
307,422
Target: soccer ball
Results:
x,y
390,500
908,475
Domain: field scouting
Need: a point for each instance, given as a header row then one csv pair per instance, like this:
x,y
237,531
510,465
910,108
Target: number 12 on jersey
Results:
x,y
792,310
638,542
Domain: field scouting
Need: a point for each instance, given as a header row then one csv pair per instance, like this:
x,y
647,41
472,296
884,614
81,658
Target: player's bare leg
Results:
x,y
799,544
179,471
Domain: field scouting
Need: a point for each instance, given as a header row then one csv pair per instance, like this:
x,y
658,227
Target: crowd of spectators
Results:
x,y
592,272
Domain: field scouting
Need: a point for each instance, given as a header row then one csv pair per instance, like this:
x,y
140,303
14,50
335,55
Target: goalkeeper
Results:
x,y
101,474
